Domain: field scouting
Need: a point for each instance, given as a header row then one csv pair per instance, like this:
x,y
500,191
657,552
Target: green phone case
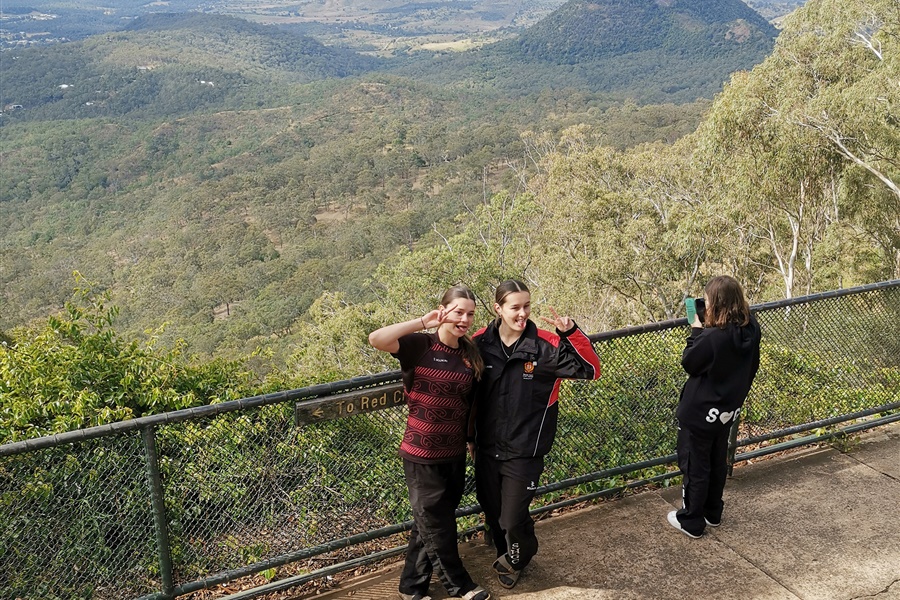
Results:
x,y
691,305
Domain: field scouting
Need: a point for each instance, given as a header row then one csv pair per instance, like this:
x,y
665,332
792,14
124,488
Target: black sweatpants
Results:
x,y
434,493
505,489
702,459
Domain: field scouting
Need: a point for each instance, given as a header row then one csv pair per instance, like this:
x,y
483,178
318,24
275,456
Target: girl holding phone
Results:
x,y
721,358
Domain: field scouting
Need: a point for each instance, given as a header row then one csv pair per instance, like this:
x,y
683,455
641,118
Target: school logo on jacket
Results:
x,y
529,370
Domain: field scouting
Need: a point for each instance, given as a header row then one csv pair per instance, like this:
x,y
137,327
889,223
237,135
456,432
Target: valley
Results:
x,y
383,27
226,183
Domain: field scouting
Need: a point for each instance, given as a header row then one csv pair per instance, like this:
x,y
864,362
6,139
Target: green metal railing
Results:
x,y
305,480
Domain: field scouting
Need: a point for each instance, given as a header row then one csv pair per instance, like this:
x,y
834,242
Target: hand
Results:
x,y
696,322
471,447
563,324
438,317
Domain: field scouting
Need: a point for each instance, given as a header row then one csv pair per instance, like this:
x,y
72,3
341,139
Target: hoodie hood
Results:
x,y
746,337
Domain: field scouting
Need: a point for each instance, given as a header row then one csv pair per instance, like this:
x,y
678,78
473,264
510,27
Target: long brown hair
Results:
x,y
726,302
468,346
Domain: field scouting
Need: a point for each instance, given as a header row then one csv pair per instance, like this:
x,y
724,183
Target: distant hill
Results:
x,y
584,30
219,175
648,50
208,37
168,64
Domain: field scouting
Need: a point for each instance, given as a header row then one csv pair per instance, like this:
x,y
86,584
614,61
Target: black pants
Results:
x,y
505,489
702,459
434,493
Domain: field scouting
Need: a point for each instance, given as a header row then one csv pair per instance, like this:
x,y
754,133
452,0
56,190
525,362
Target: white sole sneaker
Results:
x,y
673,521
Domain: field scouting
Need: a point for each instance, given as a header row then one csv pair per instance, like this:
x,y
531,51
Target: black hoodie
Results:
x,y
721,363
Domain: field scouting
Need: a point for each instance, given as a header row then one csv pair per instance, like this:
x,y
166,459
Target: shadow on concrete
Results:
x,y
816,524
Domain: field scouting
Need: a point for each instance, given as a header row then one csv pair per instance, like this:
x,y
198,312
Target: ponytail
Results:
x,y
471,351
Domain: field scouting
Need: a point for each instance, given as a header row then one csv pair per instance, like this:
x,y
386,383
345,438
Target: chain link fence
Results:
x,y
167,505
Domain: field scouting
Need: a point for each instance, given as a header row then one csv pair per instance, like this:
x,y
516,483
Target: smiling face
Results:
x,y
459,319
514,313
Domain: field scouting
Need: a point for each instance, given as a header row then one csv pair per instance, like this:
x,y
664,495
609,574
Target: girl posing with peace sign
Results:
x,y
516,414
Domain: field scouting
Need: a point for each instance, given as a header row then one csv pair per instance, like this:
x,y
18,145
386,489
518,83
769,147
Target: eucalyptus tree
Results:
x,y
856,113
774,181
804,147
633,229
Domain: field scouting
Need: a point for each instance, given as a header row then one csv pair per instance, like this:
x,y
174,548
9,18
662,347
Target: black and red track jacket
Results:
x,y
515,402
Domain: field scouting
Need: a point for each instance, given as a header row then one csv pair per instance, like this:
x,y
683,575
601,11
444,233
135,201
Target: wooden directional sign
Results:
x,y
349,404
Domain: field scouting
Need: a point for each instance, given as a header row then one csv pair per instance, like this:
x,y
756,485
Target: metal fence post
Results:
x,y
732,443
159,511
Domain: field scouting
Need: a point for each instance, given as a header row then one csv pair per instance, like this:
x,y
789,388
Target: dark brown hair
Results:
x,y
725,302
510,286
465,342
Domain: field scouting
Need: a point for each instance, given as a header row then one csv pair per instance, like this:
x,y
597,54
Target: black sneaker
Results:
x,y
416,596
479,593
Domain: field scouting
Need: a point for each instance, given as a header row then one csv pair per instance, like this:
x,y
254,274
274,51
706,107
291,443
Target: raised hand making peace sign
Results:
x,y
564,324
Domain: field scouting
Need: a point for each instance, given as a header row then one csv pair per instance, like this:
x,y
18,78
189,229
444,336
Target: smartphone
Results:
x,y
691,305
696,307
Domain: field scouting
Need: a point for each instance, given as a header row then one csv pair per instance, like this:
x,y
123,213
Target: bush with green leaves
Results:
x,y
82,509
76,371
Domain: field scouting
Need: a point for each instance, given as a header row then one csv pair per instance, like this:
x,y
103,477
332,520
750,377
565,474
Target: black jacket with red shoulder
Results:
x,y
515,402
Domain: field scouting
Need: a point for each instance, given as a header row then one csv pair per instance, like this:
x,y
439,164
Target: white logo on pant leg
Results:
x,y
531,486
725,417
513,553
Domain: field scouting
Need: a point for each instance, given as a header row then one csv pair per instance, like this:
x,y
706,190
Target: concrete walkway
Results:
x,y
815,524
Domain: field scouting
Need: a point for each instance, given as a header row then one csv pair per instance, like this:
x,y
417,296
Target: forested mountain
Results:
x,y
386,27
166,65
583,30
188,169
304,215
643,49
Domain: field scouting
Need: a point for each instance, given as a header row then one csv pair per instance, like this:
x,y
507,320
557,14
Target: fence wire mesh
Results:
x,y
76,522
249,489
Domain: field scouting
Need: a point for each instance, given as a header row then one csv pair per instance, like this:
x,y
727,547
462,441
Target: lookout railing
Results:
x,y
299,484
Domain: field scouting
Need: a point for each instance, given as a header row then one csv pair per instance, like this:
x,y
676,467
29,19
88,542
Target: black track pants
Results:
x,y
505,489
703,463
434,493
